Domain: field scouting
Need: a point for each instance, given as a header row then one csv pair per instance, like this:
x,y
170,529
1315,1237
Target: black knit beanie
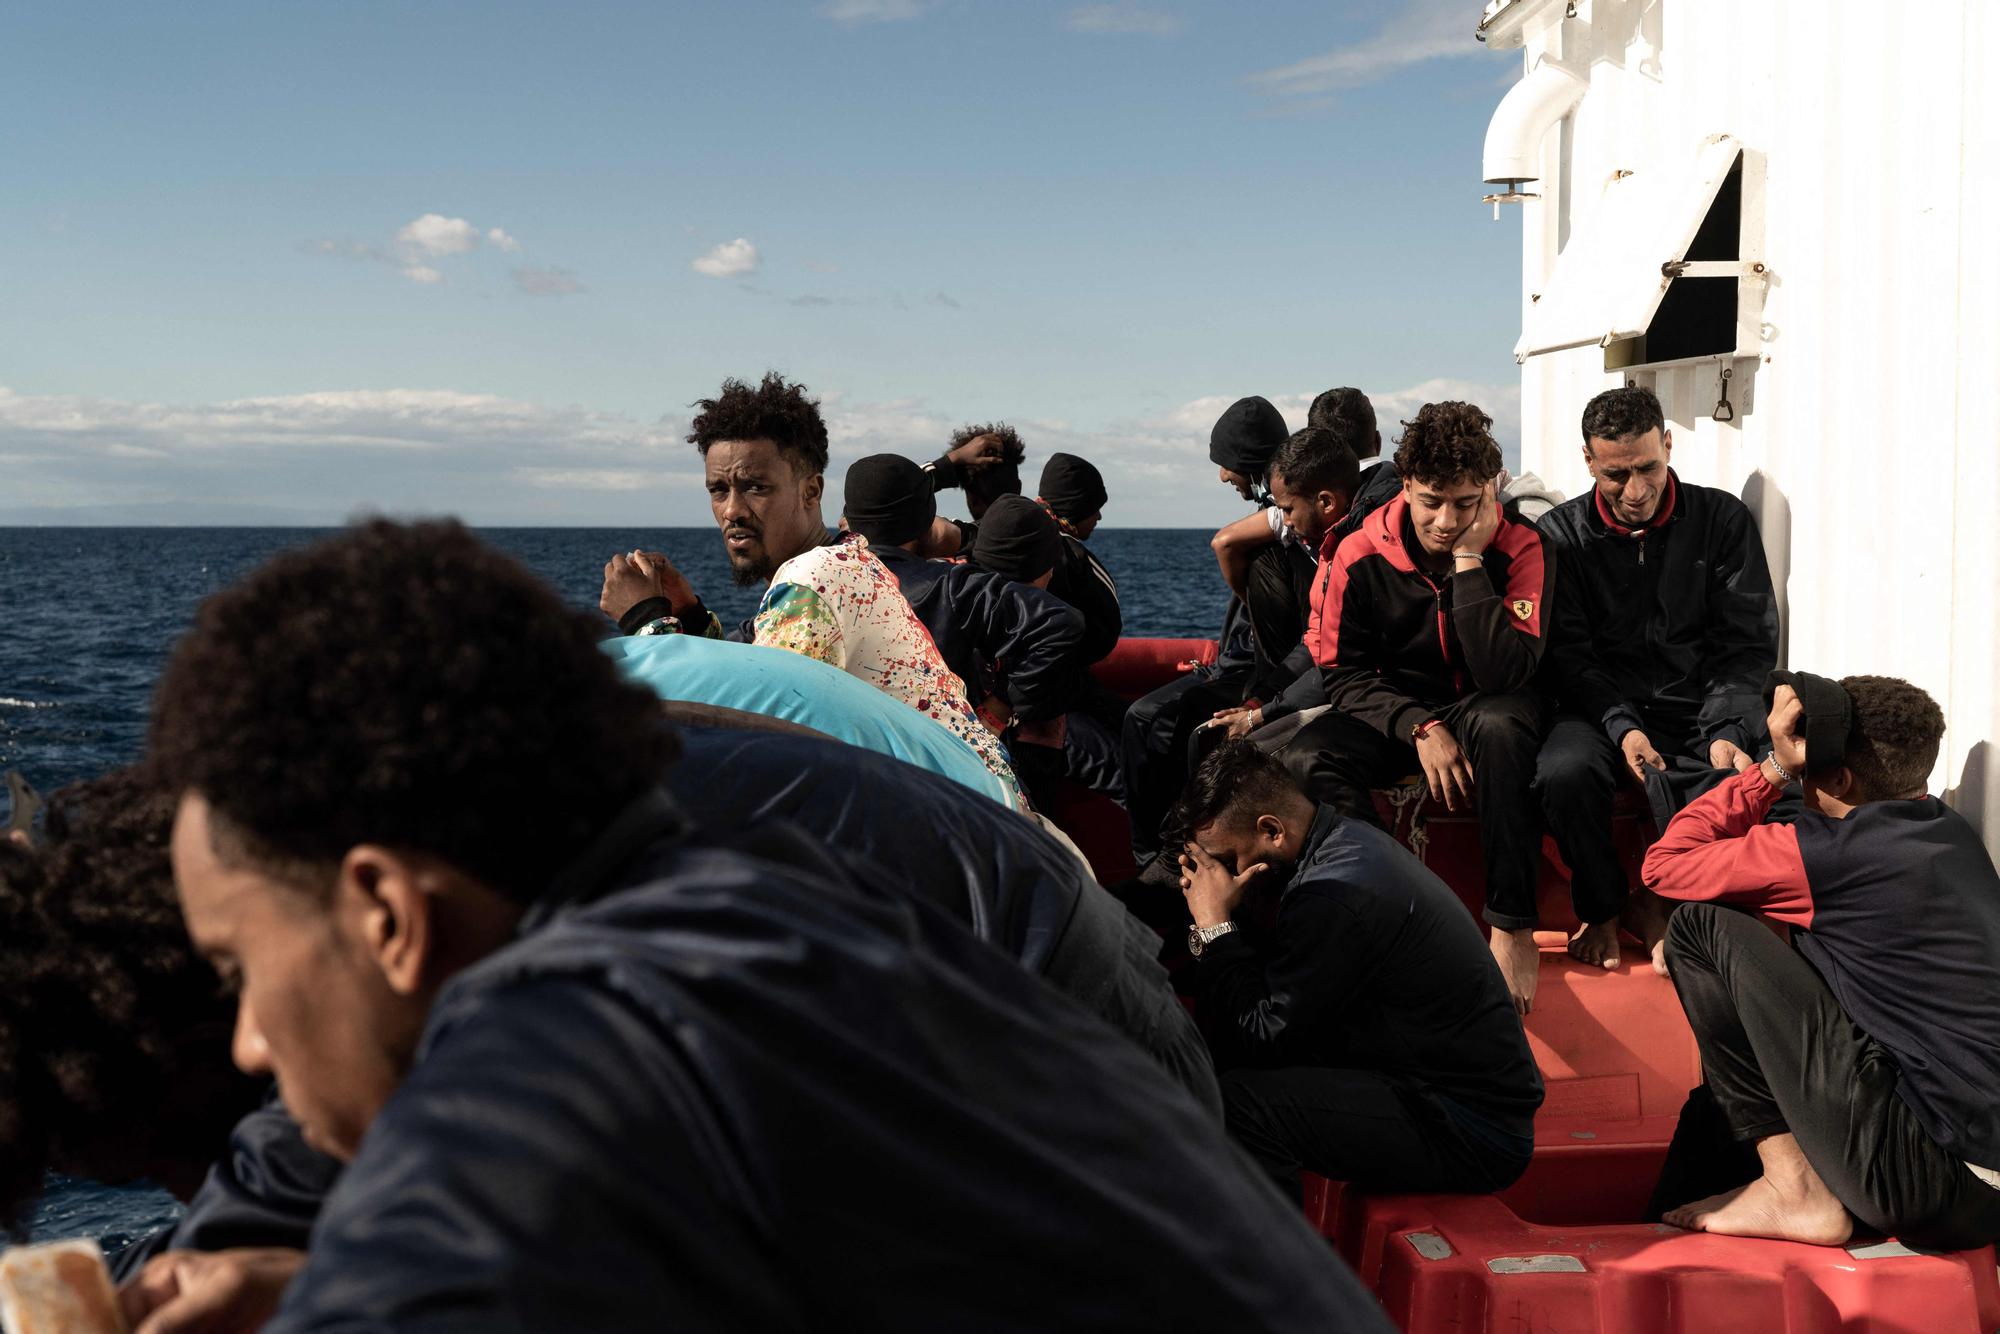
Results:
x,y
1017,538
888,499
1246,437
1072,488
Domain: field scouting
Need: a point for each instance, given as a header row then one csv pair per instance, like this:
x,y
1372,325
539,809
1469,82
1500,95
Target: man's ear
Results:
x,y
1667,441
814,488
382,909
1841,785
1271,829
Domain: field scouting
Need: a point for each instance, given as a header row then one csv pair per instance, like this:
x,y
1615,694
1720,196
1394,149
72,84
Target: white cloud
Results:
x,y
872,11
420,245
731,259
322,456
433,235
319,457
1417,31
546,282
594,479
1121,17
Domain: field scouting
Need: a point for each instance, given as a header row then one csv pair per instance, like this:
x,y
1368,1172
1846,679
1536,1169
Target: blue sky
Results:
x,y
287,261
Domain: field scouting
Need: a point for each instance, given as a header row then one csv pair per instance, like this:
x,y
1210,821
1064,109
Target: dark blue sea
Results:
x,y
87,616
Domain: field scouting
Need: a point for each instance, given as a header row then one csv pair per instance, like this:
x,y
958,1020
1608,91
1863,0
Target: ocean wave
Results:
x,y
9,702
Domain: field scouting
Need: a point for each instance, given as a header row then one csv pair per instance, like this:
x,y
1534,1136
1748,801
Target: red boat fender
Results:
x,y
1140,666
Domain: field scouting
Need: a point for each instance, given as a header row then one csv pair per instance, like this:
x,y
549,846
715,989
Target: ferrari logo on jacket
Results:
x,y
1523,608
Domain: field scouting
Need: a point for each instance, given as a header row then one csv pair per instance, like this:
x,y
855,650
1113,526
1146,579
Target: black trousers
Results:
x,y
1338,759
1278,593
1155,746
1576,777
1779,1054
1088,756
1363,1126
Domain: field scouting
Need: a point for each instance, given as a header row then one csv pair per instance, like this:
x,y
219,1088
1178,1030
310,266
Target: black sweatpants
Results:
x,y
1155,745
1363,1126
1576,776
1338,759
1779,1054
1278,593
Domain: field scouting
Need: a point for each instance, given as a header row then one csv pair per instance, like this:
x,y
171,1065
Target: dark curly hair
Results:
x,y
1348,414
1617,414
1236,777
1446,443
1315,460
1893,742
774,411
114,1034
1011,448
406,684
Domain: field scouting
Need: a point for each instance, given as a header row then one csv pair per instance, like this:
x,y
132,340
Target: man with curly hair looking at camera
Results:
x,y
1427,627
764,451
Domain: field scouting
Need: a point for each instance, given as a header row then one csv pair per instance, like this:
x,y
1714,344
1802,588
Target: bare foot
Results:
x,y
1596,944
1646,916
1788,1203
1520,964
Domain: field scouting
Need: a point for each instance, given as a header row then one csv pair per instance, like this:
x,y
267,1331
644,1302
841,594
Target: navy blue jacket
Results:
x,y
986,866
987,626
1669,629
1373,964
705,1090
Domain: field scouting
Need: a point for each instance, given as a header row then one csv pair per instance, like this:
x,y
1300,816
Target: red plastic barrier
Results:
x,y
1138,666
1464,1263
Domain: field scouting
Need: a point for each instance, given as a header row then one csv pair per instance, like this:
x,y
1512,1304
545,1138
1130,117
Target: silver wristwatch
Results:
x,y
1200,936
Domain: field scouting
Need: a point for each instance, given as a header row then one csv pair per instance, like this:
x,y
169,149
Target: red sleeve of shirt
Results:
x,y
1717,850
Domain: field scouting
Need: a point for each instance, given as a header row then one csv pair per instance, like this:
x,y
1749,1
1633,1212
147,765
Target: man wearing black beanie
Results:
x,y
978,620
1019,540
1157,736
1073,493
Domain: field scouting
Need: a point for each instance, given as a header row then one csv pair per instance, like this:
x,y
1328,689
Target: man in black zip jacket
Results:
x,y
590,1070
1018,541
1658,649
1072,491
1016,647
1427,627
1364,1030
1157,737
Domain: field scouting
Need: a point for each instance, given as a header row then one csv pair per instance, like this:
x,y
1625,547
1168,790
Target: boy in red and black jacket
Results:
x,y
1862,1059
1427,628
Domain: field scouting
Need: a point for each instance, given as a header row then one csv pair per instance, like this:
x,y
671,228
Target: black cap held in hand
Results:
x,y
1829,716
888,499
1072,487
1017,538
1246,437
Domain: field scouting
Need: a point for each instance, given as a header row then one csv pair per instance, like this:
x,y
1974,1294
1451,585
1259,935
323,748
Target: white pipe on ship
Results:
x,y
1513,151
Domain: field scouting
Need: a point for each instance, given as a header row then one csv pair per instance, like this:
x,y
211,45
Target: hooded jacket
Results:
x,y
987,626
708,1090
1394,643
1667,629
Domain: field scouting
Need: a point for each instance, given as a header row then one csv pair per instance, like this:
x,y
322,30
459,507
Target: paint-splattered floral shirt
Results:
x,y
840,605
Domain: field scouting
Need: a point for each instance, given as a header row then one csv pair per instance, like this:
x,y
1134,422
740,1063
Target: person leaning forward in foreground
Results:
x,y
1427,625
1658,648
1863,1059
592,1071
1364,1028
